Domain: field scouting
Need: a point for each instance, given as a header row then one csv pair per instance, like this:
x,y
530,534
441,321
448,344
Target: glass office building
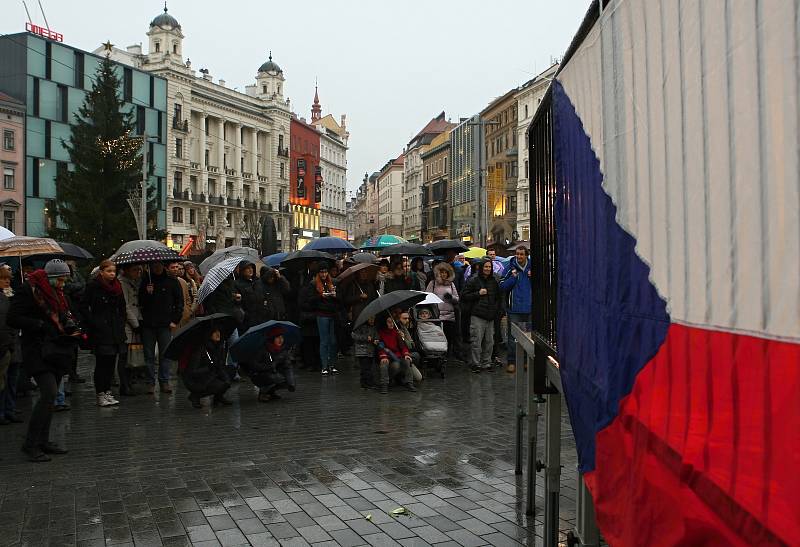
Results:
x,y
52,79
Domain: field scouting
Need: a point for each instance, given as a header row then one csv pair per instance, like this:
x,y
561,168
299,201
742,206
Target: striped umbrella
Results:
x,y
216,276
229,252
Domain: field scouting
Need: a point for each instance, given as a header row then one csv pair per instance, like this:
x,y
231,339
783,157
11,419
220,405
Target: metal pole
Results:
x,y
145,176
519,403
585,523
552,480
533,432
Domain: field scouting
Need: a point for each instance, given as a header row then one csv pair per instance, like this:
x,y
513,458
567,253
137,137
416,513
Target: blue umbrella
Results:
x,y
275,260
329,244
251,343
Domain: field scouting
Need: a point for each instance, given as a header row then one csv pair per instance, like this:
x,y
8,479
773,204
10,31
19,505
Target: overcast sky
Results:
x,y
390,66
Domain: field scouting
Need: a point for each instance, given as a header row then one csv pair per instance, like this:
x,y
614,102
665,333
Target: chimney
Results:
x,y
344,124
222,82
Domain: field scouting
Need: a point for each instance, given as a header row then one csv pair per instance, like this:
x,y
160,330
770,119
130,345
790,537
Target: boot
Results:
x,y
195,401
35,454
51,448
165,387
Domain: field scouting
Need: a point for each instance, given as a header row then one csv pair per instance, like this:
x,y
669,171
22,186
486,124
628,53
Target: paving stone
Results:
x,y
314,534
231,537
466,538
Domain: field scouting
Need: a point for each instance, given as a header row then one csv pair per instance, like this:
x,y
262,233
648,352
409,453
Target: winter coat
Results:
x,y
271,369
363,347
165,305
74,290
393,342
276,290
204,373
7,334
458,272
486,306
393,283
518,287
37,329
187,314
104,319
447,311
133,315
253,301
351,296
313,302
221,300
419,281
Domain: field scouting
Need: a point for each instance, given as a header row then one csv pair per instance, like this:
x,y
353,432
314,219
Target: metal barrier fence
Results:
x,y
533,388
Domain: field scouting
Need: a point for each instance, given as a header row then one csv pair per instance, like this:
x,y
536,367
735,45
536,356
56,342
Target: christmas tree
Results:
x,y
91,199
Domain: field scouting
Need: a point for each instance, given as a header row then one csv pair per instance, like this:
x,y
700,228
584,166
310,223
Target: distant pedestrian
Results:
x,y
276,292
444,287
365,338
516,282
320,299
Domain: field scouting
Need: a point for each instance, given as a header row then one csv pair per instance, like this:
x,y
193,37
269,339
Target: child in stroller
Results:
x,y
430,338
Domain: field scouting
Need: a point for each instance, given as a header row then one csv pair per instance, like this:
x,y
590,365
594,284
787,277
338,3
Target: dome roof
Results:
x,y
165,20
270,66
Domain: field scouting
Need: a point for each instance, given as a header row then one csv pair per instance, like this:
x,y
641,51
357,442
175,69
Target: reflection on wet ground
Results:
x,y
328,465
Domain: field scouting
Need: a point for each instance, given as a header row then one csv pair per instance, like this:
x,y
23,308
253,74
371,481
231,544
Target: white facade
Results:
x,y
528,98
333,161
228,154
412,190
390,195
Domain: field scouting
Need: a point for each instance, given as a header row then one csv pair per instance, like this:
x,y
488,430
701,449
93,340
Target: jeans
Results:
x,y
42,413
8,396
367,376
395,370
521,319
230,361
150,337
327,342
481,334
61,395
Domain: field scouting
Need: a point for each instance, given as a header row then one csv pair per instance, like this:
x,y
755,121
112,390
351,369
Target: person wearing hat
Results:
x,y
49,338
272,370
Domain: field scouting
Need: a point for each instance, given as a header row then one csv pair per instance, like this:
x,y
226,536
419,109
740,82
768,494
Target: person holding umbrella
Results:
x,y
161,304
253,301
130,280
265,349
276,291
394,359
104,317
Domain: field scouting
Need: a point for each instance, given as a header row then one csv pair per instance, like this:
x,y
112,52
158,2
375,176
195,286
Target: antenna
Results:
x,y
43,15
26,11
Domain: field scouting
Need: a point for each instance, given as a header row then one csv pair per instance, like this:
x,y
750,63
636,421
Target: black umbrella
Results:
x,y
444,245
141,251
402,299
363,258
406,249
299,259
191,334
351,273
73,251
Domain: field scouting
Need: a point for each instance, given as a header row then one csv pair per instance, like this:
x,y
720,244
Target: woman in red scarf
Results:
x,y
104,316
319,299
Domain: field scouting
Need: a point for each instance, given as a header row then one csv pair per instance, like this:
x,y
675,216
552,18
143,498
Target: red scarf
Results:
x,y
323,287
50,299
113,287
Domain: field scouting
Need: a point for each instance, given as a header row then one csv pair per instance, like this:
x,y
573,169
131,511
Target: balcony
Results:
x,y
212,169
180,125
262,178
283,151
201,198
247,175
231,172
194,165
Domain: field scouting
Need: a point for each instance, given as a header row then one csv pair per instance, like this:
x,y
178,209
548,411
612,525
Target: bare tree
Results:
x,y
251,229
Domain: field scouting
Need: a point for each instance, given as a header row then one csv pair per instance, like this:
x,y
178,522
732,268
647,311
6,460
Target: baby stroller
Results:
x,y
429,337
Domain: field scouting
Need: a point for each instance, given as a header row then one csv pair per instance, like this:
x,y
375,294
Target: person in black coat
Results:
x,y
276,293
398,280
253,300
482,293
203,374
104,317
49,338
318,298
161,304
273,368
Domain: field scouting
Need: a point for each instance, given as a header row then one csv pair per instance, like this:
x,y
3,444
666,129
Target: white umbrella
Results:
x,y
430,298
5,233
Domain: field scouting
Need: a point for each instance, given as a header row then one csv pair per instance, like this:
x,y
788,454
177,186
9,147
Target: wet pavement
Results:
x,y
327,465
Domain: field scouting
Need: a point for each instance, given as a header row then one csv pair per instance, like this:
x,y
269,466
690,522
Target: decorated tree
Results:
x,y
92,198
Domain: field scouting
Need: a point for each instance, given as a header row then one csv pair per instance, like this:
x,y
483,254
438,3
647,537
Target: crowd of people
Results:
x,y
127,317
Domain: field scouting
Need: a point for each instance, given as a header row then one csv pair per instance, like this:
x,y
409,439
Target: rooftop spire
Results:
x,y
165,6
316,108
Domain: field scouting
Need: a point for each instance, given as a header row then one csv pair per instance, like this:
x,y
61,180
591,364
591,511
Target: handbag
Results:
x,y
135,352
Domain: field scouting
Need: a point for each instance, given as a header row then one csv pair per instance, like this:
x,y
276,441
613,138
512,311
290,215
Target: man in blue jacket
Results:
x,y
517,283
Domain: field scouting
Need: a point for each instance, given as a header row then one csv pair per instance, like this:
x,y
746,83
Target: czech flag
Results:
x,y
677,159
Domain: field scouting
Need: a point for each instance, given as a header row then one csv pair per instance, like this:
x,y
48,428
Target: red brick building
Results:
x,y
305,180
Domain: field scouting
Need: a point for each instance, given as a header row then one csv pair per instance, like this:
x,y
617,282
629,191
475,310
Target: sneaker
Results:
x,y
61,408
334,370
325,372
111,398
102,400
475,370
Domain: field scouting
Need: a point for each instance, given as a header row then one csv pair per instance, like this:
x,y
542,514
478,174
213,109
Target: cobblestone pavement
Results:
x,y
324,466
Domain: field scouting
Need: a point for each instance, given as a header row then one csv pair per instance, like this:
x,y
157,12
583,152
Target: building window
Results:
x,y
175,48
8,139
526,169
228,219
264,89
178,182
177,215
280,141
140,120
178,148
79,64
526,111
8,220
178,112
205,158
211,218
8,178
127,80
158,47
283,169
192,217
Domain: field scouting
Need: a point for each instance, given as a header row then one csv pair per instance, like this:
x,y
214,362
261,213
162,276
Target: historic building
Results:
x,y
52,79
333,138
500,150
12,163
365,209
306,181
390,195
228,151
465,166
413,175
528,97
435,213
